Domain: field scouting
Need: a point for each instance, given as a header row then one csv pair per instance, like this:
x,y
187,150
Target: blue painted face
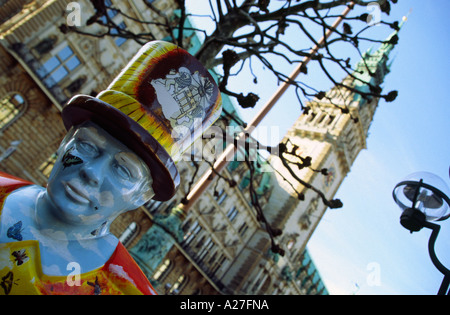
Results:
x,y
96,178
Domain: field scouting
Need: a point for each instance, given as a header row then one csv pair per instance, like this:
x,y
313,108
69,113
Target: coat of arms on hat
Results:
x,y
184,96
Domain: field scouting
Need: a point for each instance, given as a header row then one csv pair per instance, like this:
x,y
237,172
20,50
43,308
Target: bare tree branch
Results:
x,y
256,31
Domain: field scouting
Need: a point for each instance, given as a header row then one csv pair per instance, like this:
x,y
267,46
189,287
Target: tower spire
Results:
x,y
374,66
392,40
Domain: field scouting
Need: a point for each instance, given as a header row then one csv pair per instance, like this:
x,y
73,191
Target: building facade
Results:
x,y
222,246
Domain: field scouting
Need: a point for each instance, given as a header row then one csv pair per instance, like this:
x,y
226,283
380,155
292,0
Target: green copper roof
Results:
x,y
377,63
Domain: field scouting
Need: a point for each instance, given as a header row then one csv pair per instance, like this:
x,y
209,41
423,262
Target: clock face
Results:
x,y
330,177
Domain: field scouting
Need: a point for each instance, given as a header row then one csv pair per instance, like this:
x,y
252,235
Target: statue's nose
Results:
x,y
92,173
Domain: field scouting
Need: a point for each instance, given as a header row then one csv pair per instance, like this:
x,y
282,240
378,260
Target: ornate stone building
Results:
x,y
221,245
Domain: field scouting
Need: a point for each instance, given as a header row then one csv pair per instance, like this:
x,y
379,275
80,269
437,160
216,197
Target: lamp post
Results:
x,y
423,198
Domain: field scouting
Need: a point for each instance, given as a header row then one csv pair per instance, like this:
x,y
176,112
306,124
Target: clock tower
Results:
x,y
330,134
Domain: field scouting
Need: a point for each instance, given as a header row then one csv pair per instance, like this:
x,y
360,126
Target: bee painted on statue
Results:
x,y
20,256
96,286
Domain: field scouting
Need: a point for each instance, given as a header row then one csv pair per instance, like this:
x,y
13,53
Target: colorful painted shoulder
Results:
x,y
8,184
126,271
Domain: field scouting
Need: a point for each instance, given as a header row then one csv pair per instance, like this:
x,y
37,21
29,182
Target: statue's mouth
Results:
x,y
76,194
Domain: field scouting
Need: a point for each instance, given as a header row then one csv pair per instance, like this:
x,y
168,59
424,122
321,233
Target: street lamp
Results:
x,y
423,198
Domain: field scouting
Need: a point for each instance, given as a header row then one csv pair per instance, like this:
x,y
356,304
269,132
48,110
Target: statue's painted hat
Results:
x,y
158,106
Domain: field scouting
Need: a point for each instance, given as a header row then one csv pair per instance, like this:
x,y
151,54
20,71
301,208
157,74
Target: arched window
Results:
x,y
11,107
162,270
290,244
129,234
58,67
192,233
153,205
232,213
179,285
47,167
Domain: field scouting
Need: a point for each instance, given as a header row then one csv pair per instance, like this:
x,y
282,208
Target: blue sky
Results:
x,y
361,248
407,136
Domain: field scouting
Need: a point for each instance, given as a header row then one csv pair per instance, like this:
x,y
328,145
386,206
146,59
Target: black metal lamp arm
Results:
x,y
431,244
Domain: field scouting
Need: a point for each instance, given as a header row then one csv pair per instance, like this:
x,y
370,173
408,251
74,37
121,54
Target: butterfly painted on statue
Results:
x,y
7,282
15,231
70,160
20,256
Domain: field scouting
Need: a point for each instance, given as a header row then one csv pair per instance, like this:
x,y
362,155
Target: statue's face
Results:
x,y
96,177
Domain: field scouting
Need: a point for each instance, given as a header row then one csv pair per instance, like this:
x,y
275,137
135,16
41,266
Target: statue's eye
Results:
x,y
123,171
87,147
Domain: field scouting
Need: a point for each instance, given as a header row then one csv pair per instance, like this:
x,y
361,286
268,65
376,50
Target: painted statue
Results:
x,y
120,151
